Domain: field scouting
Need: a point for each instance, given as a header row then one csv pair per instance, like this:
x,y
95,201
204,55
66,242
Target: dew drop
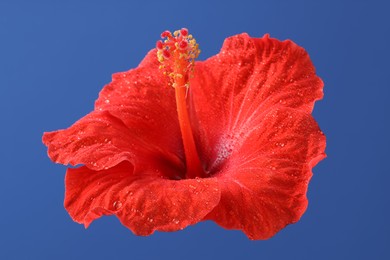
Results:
x,y
176,221
117,204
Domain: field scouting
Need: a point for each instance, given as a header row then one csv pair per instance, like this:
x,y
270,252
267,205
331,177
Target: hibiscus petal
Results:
x,y
98,140
145,103
131,115
231,91
264,182
142,204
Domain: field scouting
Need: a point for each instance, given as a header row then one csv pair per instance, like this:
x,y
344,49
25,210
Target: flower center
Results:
x,y
177,54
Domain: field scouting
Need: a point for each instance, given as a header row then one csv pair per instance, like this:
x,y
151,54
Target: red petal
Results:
x,y
132,114
143,204
98,140
232,90
264,182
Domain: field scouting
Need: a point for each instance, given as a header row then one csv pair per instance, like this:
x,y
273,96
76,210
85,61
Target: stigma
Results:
x,y
177,53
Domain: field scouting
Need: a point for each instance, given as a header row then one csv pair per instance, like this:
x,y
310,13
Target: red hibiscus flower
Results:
x,y
174,142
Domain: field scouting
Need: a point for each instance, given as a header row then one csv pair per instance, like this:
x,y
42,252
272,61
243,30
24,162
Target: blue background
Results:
x,y
55,56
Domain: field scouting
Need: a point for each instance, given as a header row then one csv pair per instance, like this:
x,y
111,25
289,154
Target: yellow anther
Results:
x,y
177,53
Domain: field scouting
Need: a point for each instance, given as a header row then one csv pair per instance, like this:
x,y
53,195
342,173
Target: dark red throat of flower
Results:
x,y
177,53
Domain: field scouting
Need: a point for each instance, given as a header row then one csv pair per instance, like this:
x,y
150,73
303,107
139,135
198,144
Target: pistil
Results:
x,y
176,54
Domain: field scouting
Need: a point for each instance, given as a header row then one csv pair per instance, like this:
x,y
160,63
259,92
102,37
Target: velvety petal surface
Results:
x,y
99,140
232,90
134,119
145,103
251,106
264,181
142,202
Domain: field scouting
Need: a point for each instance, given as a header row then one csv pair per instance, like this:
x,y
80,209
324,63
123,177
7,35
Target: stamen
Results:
x,y
182,48
177,56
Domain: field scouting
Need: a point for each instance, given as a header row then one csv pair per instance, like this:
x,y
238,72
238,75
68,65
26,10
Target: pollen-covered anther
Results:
x,y
176,52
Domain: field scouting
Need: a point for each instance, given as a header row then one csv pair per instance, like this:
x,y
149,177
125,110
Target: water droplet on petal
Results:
x,y
117,204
